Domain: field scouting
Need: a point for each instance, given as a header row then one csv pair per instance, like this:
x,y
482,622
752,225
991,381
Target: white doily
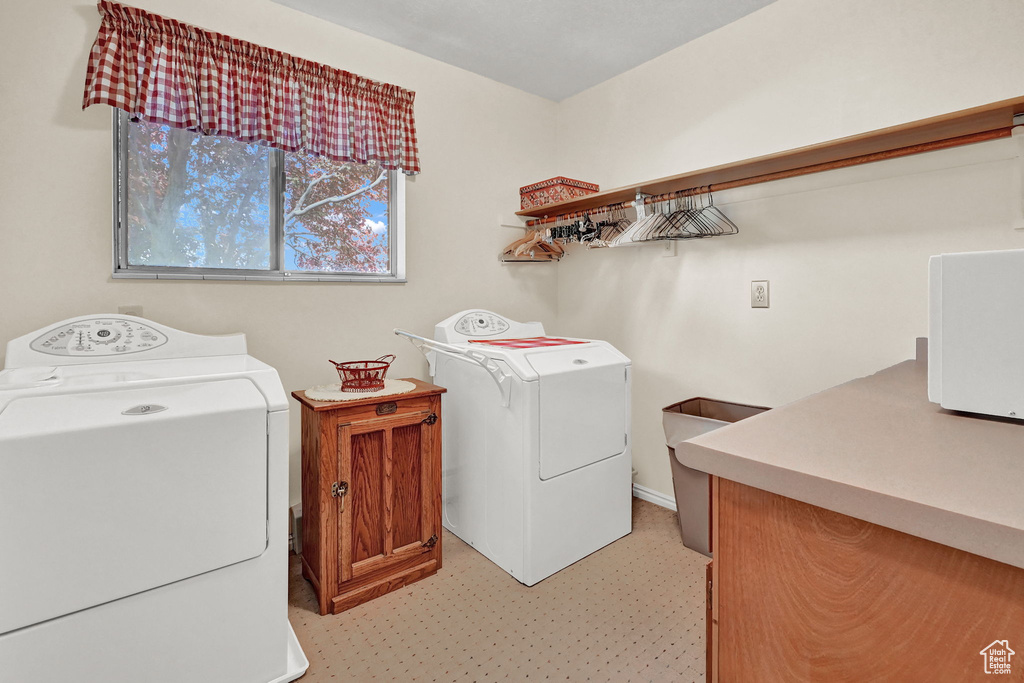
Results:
x,y
333,392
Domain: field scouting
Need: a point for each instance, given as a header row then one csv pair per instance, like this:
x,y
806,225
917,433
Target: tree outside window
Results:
x,y
192,205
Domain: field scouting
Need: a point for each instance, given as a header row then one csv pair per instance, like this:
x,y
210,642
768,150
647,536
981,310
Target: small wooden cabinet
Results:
x,y
371,494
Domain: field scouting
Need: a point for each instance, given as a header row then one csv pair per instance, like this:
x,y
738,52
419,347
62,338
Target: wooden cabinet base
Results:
x,y
801,593
373,585
391,581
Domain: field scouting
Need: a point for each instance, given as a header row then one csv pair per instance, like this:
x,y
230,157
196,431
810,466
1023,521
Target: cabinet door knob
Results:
x,y
430,419
339,489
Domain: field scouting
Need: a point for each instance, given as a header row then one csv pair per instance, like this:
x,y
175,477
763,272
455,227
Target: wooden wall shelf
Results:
x,y
963,127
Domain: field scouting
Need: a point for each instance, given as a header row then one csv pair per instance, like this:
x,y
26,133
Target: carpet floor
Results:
x,y
632,611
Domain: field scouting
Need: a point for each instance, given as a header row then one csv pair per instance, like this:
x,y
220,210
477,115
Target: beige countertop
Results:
x,y
878,450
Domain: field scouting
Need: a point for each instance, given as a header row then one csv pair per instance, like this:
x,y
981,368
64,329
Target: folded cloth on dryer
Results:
x,y
333,392
527,343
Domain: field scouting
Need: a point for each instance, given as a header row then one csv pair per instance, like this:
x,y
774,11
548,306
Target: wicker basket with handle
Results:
x,y
364,375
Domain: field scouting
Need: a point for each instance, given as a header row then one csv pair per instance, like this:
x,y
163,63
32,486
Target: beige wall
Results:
x,y
479,142
845,252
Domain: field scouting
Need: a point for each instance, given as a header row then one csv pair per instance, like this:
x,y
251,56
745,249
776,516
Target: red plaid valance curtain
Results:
x,y
163,71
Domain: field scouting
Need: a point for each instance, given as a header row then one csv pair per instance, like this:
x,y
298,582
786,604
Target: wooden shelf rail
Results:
x,y
978,124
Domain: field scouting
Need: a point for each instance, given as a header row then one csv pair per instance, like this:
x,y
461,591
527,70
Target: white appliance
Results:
x,y
143,508
975,332
536,453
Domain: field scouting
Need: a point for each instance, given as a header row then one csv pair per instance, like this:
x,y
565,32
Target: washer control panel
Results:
x,y
111,336
481,324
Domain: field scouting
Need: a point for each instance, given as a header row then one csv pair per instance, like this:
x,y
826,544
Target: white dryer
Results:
x,y
143,496
536,460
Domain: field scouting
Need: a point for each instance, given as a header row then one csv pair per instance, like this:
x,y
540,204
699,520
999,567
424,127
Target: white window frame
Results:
x,y
122,269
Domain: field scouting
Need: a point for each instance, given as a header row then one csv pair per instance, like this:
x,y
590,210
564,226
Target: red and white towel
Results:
x,y
527,343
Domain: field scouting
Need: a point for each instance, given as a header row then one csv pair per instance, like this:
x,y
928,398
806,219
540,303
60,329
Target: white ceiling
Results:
x,y
552,48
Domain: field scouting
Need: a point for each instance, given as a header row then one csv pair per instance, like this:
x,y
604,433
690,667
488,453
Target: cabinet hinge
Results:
x,y
430,419
709,603
431,542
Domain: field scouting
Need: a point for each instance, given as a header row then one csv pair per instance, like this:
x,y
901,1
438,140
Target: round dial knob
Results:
x,y
104,335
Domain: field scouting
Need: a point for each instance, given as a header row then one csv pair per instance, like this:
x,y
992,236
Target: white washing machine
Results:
x,y
537,461
143,503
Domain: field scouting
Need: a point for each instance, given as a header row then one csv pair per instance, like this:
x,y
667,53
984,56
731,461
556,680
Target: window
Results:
x,y
194,206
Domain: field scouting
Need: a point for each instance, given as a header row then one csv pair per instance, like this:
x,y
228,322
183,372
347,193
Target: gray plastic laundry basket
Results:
x,y
683,421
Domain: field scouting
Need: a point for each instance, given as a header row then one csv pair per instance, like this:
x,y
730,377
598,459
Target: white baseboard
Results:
x,y
652,496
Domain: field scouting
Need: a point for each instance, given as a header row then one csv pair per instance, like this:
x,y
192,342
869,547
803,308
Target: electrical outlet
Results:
x,y
759,294
135,310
